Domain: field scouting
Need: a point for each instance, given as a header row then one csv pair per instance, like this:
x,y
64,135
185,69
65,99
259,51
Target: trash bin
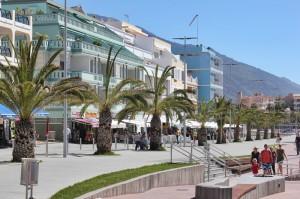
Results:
x,y
29,171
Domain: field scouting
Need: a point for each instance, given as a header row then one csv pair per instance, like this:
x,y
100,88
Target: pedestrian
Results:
x,y
255,154
266,159
278,140
274,156
177,135
195,135
297,143
280,158
255,166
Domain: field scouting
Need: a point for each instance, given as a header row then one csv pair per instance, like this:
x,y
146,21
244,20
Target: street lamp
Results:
x,y
185,83
185,75
229,64
65,76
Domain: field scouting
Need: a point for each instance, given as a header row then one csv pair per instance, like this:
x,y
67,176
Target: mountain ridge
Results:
x,y
242,77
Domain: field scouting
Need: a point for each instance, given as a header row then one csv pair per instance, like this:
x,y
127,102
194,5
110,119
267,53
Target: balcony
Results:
x,y
5,14
5,51
76,24
88,47
192,81
22,19
85,76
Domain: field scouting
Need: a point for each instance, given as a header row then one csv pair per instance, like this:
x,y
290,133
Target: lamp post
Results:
x,y
230,64
185,83
65,76
185,75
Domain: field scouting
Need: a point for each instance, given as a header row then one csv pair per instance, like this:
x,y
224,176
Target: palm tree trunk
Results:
x,y
155,132
223,136
237,133
219,137
249,137
258,133
273,131
24,135
104,138
202,136
266,130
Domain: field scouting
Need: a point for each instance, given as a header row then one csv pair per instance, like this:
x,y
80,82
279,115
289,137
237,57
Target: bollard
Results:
x,y
191,155
93,143
47,147
13,143
171,152
80,143
127,143
115,143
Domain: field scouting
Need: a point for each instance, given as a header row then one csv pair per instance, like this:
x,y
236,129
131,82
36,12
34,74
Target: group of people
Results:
x,y
141,142
267,159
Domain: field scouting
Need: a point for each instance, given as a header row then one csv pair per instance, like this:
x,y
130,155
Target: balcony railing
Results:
x,y
5,14
22,19
76,24
92,47
85,76
4,51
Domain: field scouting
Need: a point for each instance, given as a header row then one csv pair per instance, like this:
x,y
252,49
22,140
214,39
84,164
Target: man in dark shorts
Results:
x,y
266,159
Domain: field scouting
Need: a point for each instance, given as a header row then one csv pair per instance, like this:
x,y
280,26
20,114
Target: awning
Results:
x,y
95,124
211,125
134,122
193,124
7,113
87,122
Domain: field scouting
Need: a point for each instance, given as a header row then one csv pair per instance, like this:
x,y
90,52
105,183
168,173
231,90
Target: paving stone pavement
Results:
x,y
56,172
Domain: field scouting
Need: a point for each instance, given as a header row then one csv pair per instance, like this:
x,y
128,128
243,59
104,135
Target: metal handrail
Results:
x,y
235,159
292,166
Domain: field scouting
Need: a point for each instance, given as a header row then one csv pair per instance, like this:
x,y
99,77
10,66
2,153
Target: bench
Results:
x,y
236,168
241,189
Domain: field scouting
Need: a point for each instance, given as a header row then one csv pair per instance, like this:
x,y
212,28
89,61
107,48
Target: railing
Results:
x,y
92,47
84,75
292,169
4,51
192,80
207,159
5,14
224,154
80,25
22,19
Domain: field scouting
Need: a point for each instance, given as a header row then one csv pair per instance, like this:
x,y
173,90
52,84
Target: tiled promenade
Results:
x,y
57,172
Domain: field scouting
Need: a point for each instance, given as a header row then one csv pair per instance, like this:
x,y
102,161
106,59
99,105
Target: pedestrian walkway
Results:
x,y
57,172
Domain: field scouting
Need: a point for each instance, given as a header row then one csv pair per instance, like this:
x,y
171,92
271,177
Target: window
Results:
x,y
91,66
62,65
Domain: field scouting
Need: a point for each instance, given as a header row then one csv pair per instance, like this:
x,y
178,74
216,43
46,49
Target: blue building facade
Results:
x,y
203,64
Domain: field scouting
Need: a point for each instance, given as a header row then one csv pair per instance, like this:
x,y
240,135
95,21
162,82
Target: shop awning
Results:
x,y
7,113
94,123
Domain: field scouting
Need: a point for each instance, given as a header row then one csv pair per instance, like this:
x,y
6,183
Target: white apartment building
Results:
x,y
16,27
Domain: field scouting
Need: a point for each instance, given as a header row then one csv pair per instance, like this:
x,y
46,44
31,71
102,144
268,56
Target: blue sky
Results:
x,y
262,33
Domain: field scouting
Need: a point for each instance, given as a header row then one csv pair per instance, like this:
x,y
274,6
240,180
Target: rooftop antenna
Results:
x,y
127,16
195,17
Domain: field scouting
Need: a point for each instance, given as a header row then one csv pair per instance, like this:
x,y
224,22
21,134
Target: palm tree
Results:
x,y
250,119
258,122
112,97
176,102
24,92
221,107
205,112
239,116
275,118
